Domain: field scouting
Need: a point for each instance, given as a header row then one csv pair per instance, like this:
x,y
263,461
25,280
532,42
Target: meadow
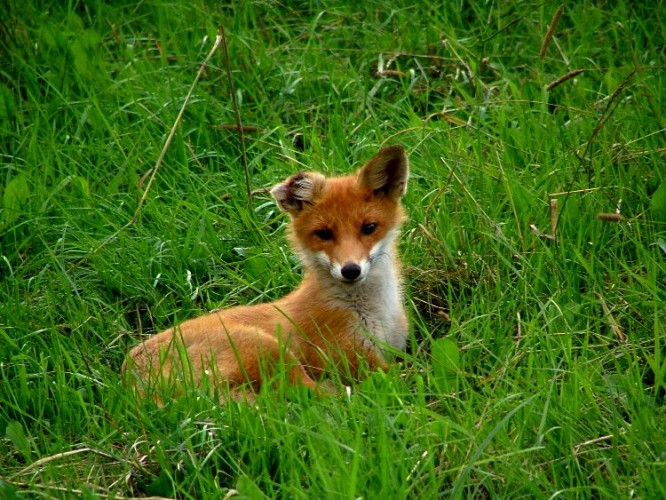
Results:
x,y
134,194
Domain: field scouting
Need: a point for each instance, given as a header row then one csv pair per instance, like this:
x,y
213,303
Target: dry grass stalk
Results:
x,y
152,173
575,191
610,107
614,217
448,117
391,72
551,30
540,234
610,217
614,325
564,78
239,124
43,461
519,332
427,233
553,217
580,446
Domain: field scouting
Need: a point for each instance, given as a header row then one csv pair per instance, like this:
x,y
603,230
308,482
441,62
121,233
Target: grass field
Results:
x,y
537,361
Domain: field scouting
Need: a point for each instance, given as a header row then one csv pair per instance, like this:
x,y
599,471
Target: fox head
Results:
x,y
343,225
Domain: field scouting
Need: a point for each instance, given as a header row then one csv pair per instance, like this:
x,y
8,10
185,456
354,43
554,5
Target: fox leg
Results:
x,y
376,361
251,353
373,357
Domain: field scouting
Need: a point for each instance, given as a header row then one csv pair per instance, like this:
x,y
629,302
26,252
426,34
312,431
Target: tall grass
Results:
x,y
536,366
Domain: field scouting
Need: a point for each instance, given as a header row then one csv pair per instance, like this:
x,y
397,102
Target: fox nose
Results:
x,y
350,271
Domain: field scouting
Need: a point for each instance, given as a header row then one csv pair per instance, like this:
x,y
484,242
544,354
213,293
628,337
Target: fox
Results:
x,y
347,312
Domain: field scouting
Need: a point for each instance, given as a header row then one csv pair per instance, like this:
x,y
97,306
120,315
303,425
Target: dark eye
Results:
x,y
369,228
324,234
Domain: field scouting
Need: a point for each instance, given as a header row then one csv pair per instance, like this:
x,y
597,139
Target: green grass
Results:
x,y
516,383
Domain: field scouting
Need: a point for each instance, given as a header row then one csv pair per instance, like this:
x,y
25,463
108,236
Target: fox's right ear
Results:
x,y
299,190
386,173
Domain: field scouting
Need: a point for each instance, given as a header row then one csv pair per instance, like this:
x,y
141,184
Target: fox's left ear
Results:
x,y
298,191
386,173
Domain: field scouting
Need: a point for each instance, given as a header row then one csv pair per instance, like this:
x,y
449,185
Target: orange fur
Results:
x,y
348,307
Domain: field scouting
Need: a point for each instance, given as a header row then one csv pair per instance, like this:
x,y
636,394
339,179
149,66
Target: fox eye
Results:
x,y
324,234
369,228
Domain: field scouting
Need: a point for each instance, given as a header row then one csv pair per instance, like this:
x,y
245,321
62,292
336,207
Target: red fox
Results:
x,y
348,307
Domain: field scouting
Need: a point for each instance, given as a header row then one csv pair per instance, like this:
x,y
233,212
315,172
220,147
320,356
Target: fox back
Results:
x,y
348,308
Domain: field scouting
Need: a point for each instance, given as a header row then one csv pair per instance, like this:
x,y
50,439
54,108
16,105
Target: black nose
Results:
x,y
350,271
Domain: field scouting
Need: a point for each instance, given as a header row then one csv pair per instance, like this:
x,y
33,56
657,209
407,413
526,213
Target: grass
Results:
x,y
536,367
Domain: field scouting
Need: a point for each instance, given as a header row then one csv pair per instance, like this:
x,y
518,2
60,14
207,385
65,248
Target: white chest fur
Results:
x,y
378,303
382,311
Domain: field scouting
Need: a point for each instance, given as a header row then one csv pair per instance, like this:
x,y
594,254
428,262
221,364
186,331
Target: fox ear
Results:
x,y
386,173
297,191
